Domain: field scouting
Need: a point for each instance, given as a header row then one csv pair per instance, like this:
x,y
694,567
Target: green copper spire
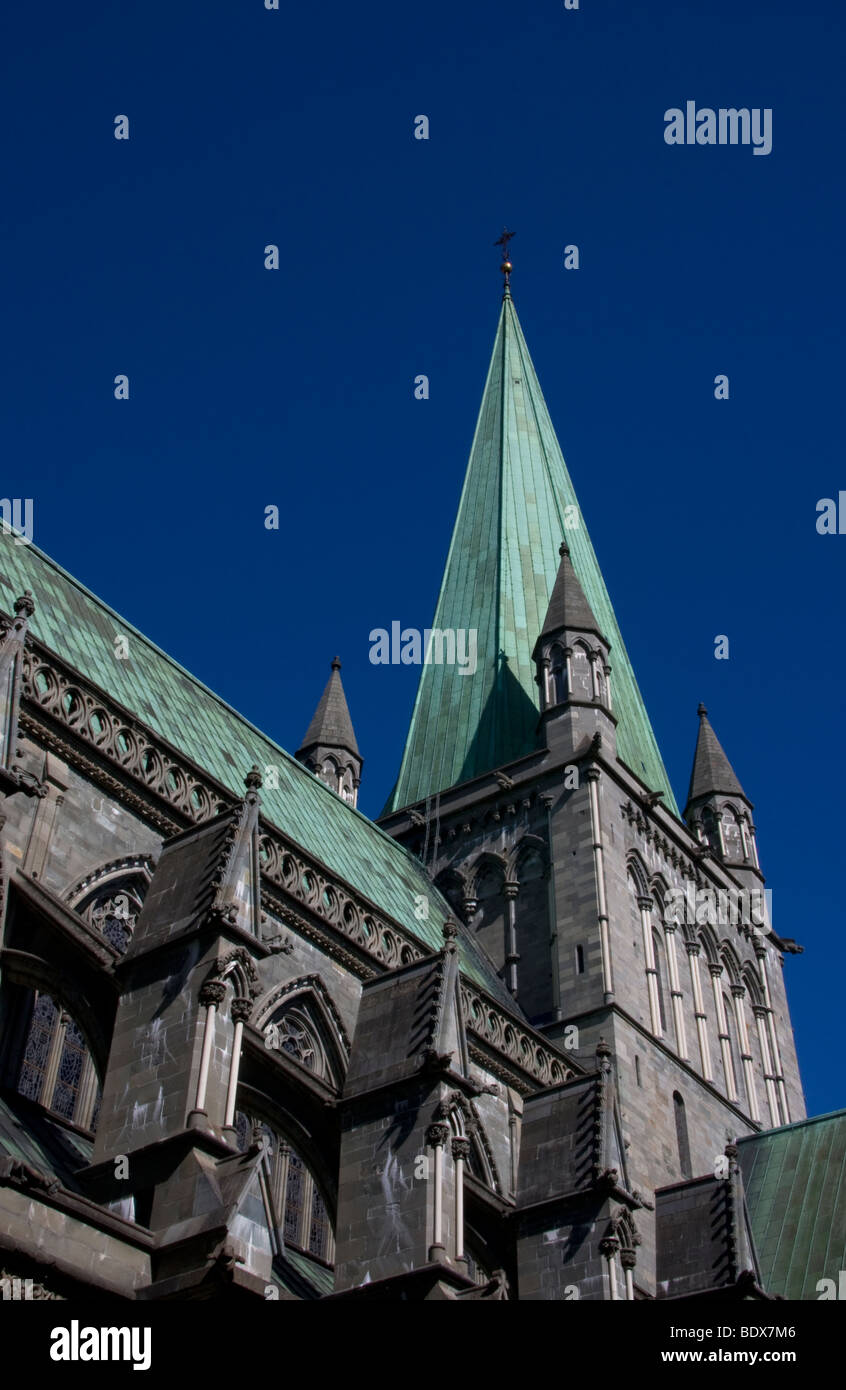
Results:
x,y
516,506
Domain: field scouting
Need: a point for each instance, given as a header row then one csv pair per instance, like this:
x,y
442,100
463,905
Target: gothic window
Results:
x,y
56,1067
731,836
557,676
582,673
294,1198
37,1047
296,1041
475,1267
291,1033
682,1140
72,1058
300,1207
319,1230
114,908
710,830
450,883
489,921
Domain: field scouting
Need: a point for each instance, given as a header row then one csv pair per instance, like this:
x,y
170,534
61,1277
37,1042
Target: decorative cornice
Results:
x,y
120,755
519,1044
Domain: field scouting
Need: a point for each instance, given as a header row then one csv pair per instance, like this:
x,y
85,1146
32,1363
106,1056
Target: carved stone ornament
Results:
x,y
213,992
437,1135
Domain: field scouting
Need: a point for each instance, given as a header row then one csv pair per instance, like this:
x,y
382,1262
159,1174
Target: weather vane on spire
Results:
x,y
506,266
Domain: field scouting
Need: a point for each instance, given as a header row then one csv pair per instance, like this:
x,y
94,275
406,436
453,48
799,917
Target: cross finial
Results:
x,y
506,266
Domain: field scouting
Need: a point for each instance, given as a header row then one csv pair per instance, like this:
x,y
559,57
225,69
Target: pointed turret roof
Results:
x,y
516,504
568,607
331,725
712,772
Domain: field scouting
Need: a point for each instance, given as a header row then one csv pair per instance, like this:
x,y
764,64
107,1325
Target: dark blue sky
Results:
x,y
250,387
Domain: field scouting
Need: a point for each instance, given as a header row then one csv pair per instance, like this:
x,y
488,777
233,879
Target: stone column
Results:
x,y
609,1247
778,1071
738,995
511,890
211,997
645,905
675,988
722,1031
460,1154
543,683
693,948
760,1012
436,1137
241,1010
547,799
627,1260
592,776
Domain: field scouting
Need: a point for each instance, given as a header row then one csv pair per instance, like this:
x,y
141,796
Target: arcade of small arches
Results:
x,y
747,1052
579,672
340,776
729,832
496,895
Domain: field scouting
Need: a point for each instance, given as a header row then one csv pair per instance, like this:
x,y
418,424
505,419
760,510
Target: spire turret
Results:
x,y
329,748
718,810
571,655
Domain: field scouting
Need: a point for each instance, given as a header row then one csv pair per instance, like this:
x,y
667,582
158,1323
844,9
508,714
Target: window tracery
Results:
x,y
300,1208
56,1068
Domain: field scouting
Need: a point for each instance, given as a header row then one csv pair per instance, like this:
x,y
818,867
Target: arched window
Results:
x,y
711,831
489,921
111,899
732,839
682,1140
300,1208
582,668
292,1035
557,676
56,1068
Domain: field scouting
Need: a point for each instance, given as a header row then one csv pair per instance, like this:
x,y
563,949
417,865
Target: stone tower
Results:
x,y
544,814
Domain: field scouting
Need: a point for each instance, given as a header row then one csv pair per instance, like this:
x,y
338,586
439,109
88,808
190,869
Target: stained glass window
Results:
x,y
55,1064
318,1238
66,1089
294,1198
45,1016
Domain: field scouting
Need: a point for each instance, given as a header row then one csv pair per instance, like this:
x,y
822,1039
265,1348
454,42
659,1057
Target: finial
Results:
x,y
701,711
563,549
252,781
450,930
25,604
602,1048
506,266
336,663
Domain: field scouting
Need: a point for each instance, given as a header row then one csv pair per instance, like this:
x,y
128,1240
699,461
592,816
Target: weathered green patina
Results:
x,y
82,632
516,507
795,1182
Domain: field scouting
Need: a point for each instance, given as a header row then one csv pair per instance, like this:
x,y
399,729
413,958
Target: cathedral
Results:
x,y
524,1037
